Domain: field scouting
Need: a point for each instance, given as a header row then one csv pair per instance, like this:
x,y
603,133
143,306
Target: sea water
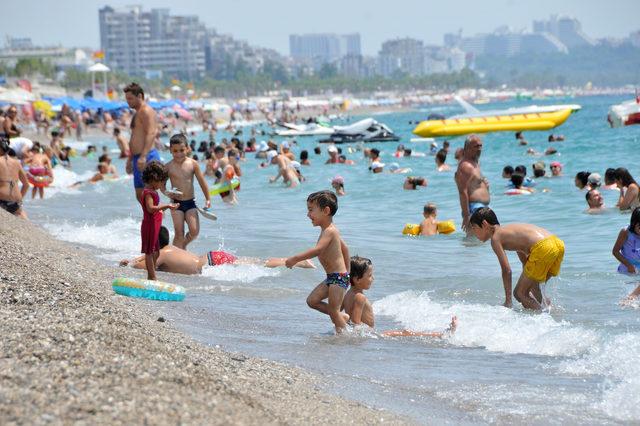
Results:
x,y
577,363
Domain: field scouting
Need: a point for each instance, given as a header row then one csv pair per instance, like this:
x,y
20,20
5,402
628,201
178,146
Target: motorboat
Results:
x,y
518,119
309,129
625,114
367,130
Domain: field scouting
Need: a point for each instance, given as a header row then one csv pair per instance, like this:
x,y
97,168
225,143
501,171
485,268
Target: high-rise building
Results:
x,y
319,49
138,42
403,55
566,29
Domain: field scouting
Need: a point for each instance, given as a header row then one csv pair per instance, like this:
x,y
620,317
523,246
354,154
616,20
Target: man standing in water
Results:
x,y
473,188
143,134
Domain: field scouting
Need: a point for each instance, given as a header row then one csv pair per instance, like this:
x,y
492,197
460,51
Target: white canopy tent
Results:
x,y
96,68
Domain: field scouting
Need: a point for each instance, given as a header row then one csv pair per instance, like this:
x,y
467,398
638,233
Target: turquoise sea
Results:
x,y
577,364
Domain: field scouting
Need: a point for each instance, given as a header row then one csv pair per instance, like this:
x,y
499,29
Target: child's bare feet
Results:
x,y
345,316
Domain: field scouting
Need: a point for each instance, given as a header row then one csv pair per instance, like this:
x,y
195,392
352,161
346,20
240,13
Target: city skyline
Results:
x,y
81,29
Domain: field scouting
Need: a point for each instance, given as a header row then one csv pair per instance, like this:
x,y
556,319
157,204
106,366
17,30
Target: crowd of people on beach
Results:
x,y
341,296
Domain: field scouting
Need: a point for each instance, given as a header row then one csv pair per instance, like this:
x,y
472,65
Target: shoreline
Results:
x,y
73,351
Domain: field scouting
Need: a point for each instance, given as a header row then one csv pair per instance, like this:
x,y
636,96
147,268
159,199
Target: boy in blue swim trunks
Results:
x,y
333,255
182,171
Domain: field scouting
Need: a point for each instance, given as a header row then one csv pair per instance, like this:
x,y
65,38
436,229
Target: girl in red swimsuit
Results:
x,y
154,177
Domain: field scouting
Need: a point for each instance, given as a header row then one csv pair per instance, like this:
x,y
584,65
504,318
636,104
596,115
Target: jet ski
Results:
x,y
367,130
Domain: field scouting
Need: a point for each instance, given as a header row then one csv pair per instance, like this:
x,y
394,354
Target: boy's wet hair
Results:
x,y
517,179
441,156
508,170
430,209
154,172
375,151
610,176
163,237
482,214
304,155
635,219
317,150
359,266
521,169
103,158
218,149
178,139
134,89
324,199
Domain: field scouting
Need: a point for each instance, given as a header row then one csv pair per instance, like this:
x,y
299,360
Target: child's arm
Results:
x,y
345,255
323,243
496,244
137,263
203,183
152,208
622,237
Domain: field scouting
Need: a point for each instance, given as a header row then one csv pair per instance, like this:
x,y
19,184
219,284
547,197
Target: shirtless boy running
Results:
x,y
181,173
333,255
540,252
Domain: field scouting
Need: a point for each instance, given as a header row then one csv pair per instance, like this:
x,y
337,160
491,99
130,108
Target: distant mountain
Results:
x,y
602,64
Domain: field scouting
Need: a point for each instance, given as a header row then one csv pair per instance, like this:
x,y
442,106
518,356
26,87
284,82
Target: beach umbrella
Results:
x,y
182,113
44,106
16,96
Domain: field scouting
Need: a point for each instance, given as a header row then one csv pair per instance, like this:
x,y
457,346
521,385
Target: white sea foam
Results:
x,y
239,273
121,235
616,360
495,328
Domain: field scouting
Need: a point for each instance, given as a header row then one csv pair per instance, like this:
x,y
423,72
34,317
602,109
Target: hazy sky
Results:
x,y
269,23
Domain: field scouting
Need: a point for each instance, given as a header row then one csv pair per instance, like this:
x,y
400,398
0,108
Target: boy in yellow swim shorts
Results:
x,y
540,252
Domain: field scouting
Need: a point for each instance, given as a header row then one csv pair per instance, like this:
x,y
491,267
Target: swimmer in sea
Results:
x,y
594,201
360,311
178,261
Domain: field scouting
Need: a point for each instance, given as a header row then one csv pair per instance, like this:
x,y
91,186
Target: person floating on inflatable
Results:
x,y
360,311
430,225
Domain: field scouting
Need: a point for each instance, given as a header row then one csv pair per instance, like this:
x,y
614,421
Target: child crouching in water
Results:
x,y
627,251
154,177
359,309
540,252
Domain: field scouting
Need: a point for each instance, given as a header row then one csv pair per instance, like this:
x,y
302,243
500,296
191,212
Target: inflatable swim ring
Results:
x,y
38,177
155,290
515,191
446,227
411,229
223,187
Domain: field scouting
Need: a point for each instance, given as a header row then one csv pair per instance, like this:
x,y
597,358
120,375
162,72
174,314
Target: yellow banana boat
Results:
x,y
493,123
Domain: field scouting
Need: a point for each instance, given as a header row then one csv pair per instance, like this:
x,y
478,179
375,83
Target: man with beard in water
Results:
x,y
143,135
473,187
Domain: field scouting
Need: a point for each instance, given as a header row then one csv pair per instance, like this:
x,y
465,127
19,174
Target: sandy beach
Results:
x,y
74,352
